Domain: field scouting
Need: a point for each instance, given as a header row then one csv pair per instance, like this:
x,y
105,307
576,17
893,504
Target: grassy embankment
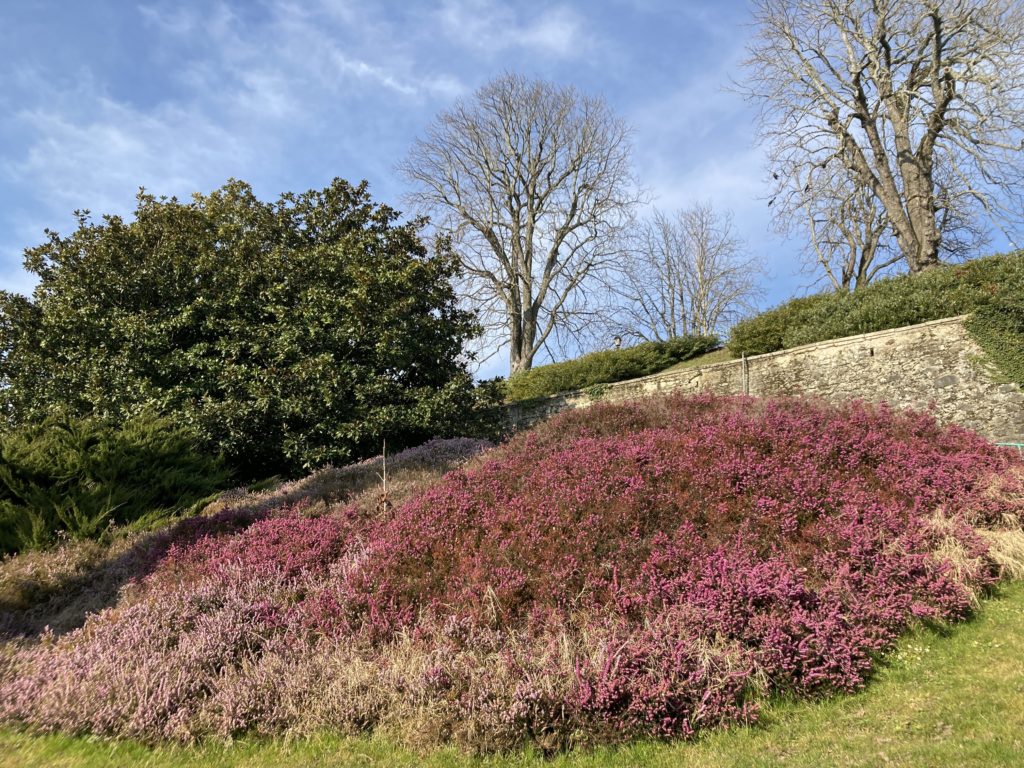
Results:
x,y
708,358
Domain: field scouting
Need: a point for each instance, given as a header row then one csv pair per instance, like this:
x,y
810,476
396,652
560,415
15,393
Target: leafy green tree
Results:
x,y
287,334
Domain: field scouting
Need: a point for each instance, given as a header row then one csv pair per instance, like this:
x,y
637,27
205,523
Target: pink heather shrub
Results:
x,y
653,568
360,483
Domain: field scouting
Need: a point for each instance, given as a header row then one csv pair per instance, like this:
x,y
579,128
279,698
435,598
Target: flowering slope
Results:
x,y
650,568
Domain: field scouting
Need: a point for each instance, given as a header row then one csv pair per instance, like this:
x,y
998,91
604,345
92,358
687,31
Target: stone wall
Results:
x,y
931,365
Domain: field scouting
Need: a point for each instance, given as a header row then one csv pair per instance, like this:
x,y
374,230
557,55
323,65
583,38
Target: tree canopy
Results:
x,y
288,334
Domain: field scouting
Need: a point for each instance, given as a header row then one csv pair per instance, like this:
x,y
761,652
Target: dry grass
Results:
x,y
952,548
360,484
1006,549
60,587
949,698
1005,538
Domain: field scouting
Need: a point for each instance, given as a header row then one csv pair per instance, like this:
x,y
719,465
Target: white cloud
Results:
x,y
87,149
248,97
557,31
331,45
695,143
307,42
177,21
99,162
369,72
492,27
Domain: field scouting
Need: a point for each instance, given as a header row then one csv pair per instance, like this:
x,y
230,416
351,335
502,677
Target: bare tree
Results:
x,y
921,104
533,183
687,273
850,236
849,239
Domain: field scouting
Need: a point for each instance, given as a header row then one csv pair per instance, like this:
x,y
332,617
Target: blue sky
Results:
x,y
99,98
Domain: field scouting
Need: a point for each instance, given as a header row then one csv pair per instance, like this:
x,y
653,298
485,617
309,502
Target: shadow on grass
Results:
x,y
60,588
35,599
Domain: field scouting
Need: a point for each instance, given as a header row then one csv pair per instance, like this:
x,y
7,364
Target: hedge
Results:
x,y
990,289
607,366
894,302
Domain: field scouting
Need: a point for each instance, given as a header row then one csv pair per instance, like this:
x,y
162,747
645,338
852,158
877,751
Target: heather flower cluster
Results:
x,y
651,568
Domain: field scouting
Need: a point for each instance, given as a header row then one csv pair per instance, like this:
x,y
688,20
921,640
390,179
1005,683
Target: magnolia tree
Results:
x,y
288,333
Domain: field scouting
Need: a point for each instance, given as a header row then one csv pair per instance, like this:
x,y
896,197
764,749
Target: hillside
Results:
x,y
660,568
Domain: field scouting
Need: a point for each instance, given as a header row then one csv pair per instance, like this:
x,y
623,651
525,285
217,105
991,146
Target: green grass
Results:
x,y
953,698
708,358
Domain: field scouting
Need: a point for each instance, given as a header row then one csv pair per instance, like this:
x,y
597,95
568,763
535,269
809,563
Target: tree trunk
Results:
x,y
521,340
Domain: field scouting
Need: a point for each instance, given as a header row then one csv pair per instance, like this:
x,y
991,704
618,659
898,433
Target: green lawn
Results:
x,y
942,700
718,356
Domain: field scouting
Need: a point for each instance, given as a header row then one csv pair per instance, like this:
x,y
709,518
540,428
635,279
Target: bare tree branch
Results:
x,y
908,110
533,183
687,273
849,236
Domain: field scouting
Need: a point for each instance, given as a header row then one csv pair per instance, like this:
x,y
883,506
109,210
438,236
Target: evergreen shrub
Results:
x,y
998,327
980,285
77,477
607,366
